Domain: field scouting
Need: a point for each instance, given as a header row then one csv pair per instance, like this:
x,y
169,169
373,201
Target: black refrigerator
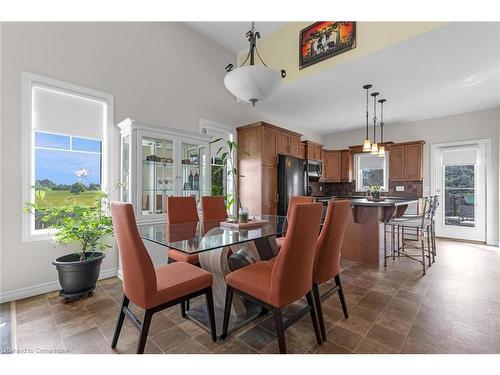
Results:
x,y
291,180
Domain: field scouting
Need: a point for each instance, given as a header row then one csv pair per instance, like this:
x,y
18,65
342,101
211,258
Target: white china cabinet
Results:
x,y
156,162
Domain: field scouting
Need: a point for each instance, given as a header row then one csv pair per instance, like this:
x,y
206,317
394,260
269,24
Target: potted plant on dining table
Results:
x,y
87,227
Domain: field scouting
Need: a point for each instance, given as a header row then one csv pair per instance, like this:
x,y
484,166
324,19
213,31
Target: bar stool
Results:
x,y
423,225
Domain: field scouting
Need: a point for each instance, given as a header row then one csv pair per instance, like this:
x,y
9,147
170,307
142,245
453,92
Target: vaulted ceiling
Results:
x,y
450,70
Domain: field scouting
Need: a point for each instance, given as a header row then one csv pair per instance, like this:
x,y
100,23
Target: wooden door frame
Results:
x,y
489,235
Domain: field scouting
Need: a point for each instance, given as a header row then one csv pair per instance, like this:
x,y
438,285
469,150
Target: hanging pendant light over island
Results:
x,y
367,144
374,149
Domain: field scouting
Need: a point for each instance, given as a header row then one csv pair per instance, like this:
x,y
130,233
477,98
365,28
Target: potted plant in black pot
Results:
x,y
87,227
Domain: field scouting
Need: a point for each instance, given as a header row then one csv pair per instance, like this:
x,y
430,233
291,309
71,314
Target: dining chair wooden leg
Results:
x,y
280,330
227,312
342,296
314,317
144,331
211,314
119,322
317,301
183,309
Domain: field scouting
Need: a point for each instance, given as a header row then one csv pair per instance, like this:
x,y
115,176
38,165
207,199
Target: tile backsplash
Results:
x,y
412,189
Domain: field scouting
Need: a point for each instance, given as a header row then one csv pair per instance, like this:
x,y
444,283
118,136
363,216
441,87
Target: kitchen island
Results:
x,y
364,237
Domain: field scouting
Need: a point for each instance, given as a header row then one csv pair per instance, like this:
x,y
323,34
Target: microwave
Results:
x,y
314,168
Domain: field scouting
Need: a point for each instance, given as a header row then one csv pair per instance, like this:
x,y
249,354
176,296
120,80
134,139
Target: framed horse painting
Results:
x,y
325,39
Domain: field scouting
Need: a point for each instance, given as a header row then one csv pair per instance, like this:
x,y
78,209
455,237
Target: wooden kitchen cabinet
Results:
x,y
406,161
269,145
313,150
287,143
303,152
295,146
331,166
258,181
283,143
345,166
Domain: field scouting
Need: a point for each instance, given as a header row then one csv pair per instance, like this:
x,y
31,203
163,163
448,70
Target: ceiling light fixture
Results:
x,y
367,145
374,149
252,83
381,147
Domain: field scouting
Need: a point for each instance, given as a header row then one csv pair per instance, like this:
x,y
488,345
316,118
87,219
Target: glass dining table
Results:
x,y
220,250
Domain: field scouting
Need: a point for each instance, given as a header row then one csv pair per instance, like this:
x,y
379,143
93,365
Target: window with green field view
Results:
x,y
68,170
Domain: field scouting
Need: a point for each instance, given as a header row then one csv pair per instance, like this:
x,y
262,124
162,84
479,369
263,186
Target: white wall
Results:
x,y
463,127
161,72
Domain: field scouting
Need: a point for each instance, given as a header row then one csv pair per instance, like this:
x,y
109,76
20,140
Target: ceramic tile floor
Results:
x,y
455,308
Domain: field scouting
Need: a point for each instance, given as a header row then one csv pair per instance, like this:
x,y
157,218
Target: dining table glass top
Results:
x,y
193,238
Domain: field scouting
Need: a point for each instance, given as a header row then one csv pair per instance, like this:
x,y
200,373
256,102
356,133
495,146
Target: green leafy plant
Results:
x,y
79,223
374,189
228,154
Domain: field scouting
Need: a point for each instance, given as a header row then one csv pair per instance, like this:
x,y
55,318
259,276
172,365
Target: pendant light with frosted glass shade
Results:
x,y
367,144
381,147
252,83
374,149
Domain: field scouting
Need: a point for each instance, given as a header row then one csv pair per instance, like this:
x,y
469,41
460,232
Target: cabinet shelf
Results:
x,y
152,162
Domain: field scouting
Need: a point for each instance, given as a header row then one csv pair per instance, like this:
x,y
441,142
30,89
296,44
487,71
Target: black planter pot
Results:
x,y
78,277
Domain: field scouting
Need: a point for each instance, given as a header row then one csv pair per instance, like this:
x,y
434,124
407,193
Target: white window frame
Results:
x,y
28,155
361,189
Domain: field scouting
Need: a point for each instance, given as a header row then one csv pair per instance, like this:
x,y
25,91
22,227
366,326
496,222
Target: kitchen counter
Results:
x,y
364,238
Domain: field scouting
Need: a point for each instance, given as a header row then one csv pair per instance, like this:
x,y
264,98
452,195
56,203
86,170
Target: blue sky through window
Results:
x,y
61,166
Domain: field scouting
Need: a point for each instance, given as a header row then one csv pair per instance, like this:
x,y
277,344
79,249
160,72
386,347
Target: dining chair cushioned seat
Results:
x,y
254,280
178,279
179,256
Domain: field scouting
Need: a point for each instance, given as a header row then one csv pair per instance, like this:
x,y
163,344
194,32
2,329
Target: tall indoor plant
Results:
x,y
228,154
87,227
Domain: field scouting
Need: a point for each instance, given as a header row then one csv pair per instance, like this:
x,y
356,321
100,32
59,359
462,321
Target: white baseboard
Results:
x,y
35,290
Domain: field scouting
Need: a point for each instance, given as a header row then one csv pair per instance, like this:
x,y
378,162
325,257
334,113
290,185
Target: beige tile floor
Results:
x,y
454,308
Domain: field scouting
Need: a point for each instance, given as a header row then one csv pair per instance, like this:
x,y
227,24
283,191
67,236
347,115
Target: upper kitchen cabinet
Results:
x,y
313,150
258,169
287,143
345,166
337,166
331,166
406,161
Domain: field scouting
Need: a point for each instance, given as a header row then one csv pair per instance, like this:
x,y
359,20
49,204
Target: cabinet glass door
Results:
x,y
193,160
158,175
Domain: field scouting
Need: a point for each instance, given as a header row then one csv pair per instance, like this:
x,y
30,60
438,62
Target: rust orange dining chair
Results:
x,y
152,288
327,259
213,208
291,203
182,210
287,278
